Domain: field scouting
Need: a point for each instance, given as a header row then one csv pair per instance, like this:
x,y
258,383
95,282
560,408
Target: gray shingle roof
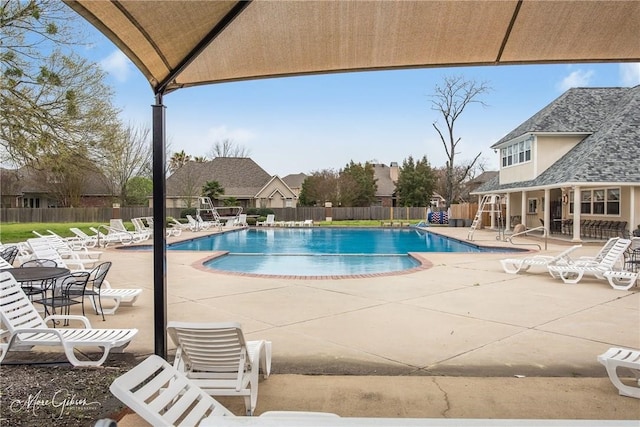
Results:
x,y
295,180
239,176
610,154
382,175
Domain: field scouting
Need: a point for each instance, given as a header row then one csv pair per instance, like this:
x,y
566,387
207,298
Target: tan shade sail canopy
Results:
x,y
186,43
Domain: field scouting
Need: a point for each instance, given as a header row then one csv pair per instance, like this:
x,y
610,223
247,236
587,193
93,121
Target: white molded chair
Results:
x,y
517,265
616,358
269,222
27,329
219,360
573,273
164,396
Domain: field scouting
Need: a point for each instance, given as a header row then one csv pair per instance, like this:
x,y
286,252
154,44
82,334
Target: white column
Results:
x,y
547,210
576,214
633,224
523,208
507,220
492,215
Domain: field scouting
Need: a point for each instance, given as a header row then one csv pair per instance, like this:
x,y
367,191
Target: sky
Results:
x,y
311,123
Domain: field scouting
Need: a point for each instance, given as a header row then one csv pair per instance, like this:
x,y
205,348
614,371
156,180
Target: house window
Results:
x,y
517,153
613,201
532,206
288,203
585,202
600,201
31,202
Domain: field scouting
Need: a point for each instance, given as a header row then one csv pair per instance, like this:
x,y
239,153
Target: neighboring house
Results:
x,y
385,178
582,150
474,183
240,177
294,181
29,188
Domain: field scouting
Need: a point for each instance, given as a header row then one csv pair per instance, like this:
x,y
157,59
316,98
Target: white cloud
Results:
x,y
117,65
630,74
578,78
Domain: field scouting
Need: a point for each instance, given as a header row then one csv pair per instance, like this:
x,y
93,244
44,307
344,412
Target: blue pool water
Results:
x,y
326,241
320,251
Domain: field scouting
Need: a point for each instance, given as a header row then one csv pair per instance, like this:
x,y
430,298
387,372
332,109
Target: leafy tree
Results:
x,y
53,103
416,182
178,160
451,99
318,188
212,190
139,188
357,185
231,201
228,148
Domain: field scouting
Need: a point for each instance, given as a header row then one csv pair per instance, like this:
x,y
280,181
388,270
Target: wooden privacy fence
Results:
x,y
104,214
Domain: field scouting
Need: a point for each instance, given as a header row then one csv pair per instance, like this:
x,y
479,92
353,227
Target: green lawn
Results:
x,y
19,232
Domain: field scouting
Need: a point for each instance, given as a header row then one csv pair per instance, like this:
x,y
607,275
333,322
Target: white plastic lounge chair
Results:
x,y
573,273
42,250
601,253
621,280
141,228
87,240
27,328
112,236
219,360
118,225
616,358
4,264
98,287
517,265
163,396
71,247
270,221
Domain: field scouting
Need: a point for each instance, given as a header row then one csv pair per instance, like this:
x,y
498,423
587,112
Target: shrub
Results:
x,y
188,211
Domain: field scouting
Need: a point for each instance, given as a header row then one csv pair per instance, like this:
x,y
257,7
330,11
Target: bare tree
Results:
x,y
228,148
128,155
450,100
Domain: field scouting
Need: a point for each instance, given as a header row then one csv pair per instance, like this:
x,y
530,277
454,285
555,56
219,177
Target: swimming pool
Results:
x,y
318,252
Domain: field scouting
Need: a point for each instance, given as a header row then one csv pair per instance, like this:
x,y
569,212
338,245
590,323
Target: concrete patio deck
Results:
x,y
459,339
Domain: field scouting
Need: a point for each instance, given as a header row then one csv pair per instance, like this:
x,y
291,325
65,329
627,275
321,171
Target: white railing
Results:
x,y
545,235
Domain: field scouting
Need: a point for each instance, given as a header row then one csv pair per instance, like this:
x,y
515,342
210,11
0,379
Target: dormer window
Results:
x,y
516,153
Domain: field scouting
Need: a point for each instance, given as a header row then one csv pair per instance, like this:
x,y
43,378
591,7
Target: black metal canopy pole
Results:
x,y
159,227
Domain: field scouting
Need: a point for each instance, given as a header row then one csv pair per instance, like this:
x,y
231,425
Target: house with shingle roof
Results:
x,y
26,187
576,160
240,177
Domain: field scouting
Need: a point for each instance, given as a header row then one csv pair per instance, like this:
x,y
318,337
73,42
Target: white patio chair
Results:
x,y
27,329
270,221
517,265
88,241
41,249
219,360
616,358
573,273
164,396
